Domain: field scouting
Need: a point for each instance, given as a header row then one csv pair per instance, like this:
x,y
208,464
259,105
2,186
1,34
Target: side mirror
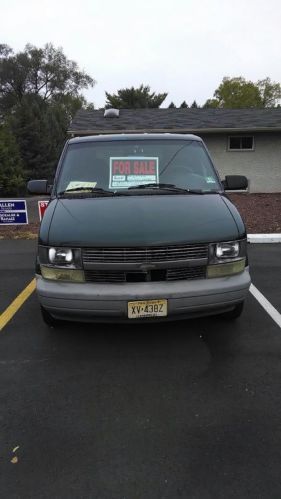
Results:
x,y
235,183
38,187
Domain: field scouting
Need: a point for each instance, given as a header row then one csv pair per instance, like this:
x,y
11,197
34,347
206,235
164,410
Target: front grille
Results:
x,y
118,276
186,273
145,254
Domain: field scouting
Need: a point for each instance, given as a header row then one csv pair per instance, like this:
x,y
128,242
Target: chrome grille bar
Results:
x,y
144,254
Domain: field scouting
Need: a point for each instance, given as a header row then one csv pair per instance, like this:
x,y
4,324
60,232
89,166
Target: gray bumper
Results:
x,y
108,302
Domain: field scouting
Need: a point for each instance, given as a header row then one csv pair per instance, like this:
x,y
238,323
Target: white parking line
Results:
x,y
264,238
274,314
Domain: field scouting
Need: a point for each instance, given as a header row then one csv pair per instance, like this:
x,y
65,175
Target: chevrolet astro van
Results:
x,y
139,228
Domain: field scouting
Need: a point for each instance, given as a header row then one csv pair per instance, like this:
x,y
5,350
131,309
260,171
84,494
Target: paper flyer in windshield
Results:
x,y
131,171
78,184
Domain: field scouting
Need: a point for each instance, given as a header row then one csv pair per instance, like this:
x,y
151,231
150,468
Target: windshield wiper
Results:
x,y
167,187
92,190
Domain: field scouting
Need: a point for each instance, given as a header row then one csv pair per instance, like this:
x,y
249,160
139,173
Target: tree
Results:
x,y
41,71
90,106
184,104
70,104
40,131
40,92
240,93
172,106
11,172
134,98
5,50
270,92
194,104
211,104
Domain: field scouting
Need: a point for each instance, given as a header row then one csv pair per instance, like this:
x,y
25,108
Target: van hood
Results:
x,y
140,220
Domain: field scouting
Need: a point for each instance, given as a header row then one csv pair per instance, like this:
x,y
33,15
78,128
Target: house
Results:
x,y
241,141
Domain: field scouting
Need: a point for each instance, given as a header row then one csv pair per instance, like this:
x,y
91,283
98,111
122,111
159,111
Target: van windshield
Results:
x,y
120,165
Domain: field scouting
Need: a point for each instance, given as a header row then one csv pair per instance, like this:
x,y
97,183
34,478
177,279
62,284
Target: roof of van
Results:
x,y
134,136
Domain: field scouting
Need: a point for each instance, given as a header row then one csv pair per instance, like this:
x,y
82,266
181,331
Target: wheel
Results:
x,y
235,313
48,318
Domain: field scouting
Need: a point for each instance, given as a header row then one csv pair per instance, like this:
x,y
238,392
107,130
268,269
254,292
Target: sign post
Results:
x,y
13,212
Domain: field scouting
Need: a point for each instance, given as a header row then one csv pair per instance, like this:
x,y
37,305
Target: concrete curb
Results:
x,y
264,238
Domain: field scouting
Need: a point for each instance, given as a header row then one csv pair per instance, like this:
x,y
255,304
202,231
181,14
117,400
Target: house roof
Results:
x,y
176,120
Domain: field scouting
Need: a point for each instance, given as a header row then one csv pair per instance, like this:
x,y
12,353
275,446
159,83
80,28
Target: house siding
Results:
x,y
262,166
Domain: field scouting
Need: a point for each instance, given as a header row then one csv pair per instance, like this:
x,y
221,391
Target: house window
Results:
x,y
241,143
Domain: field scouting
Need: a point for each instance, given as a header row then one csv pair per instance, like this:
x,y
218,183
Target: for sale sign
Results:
x,y
133,171
42,206
13,212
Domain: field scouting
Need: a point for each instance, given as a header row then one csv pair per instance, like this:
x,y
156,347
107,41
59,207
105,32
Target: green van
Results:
x,y
139,228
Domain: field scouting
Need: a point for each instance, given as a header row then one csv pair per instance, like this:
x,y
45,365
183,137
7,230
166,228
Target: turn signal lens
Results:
x,y
226,269
67,275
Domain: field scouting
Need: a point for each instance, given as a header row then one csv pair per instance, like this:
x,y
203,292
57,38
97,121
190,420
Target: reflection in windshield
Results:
x,y
119,165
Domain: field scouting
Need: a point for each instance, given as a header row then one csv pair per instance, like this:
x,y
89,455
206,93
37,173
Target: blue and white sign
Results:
x,y
13,212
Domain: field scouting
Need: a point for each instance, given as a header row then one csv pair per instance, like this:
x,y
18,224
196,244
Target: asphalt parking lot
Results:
x,y
177,410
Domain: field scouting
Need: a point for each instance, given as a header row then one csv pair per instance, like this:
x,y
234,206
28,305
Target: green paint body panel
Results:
x,y
140,221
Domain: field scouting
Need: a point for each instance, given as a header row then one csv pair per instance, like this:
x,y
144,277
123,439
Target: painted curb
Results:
x,y
264,238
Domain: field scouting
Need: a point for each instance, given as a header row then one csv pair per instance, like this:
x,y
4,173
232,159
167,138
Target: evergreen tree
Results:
x,y
134,98
40,131
194,105
11,172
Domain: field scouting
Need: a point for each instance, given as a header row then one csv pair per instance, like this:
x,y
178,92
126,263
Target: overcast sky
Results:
x,y
183,47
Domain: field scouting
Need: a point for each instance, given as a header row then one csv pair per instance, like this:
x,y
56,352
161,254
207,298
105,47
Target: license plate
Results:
x,y
147,308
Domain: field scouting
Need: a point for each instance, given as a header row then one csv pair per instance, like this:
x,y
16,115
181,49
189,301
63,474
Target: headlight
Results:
x,y
60,256
227,258
227,250
63,264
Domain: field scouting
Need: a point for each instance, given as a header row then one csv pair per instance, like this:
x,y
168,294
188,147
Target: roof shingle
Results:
x,y
187,120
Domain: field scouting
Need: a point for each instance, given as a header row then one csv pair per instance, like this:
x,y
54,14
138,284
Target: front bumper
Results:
x,y
108,302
